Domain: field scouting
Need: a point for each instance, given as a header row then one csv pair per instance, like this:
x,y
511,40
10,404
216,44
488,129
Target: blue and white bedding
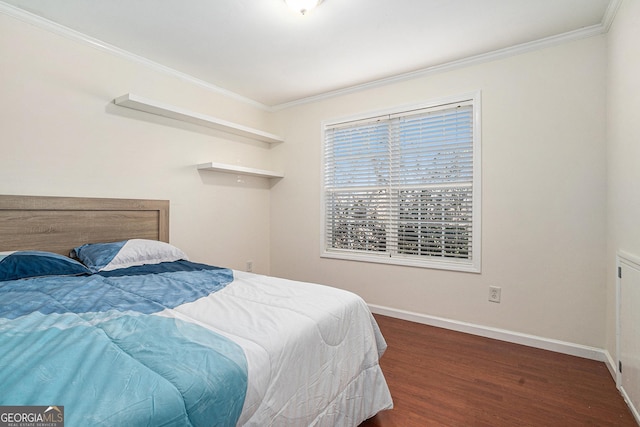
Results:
x,y
180,343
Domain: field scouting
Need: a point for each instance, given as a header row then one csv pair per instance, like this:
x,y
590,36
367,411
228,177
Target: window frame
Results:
x,y
463,265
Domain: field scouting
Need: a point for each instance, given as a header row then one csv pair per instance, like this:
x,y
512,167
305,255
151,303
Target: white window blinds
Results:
x,y
401,188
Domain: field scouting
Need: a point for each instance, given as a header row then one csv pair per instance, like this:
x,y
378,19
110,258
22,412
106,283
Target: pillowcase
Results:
x,y
127,253
25,264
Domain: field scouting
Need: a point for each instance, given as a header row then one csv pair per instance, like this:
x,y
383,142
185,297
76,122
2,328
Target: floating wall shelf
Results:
x,y
165,110
241,170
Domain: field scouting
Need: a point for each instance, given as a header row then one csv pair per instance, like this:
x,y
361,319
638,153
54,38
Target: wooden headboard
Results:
x,y
58,224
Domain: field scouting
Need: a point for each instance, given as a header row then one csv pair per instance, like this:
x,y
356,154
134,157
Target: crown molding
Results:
x,y
61,30
610,14
74,35
581,33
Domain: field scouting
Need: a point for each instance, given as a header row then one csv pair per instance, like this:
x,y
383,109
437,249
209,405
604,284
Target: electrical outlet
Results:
x,y
249,266
494,293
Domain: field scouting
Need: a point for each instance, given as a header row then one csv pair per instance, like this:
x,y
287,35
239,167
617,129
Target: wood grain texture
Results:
x,y
440,377
58,224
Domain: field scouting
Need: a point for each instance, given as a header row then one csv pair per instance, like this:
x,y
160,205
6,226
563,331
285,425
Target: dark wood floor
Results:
x,y
439,377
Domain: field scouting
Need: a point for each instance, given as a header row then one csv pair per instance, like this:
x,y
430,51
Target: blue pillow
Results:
x,y
97,256
25,264
127,253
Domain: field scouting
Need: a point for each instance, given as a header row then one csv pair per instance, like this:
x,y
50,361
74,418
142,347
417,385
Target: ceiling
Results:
x,y
261,50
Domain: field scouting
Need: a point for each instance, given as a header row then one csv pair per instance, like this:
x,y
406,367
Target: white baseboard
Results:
x,y
611,364
630,404
564,347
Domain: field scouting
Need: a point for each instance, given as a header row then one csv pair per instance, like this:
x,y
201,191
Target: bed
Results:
x,y
139,335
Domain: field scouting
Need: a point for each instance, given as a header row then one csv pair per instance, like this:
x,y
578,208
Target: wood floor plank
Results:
x,y
440,377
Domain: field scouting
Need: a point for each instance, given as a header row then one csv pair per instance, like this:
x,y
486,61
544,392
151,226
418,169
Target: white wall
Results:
x,y
623,146
544,183
61,136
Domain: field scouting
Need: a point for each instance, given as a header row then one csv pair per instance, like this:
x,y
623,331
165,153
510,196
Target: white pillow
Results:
x,y
127,253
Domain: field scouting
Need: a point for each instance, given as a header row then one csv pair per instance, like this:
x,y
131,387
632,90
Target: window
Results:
x,y
404,187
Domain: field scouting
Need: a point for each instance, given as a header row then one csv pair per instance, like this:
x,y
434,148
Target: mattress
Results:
x,y
181,343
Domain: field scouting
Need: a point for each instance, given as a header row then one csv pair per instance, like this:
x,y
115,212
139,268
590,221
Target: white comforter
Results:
x,y
312,350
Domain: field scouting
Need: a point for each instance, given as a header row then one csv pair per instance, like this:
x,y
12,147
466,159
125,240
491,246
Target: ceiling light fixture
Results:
x,y
302,6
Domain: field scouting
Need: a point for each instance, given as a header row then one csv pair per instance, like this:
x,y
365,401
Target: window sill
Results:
x,y
451,265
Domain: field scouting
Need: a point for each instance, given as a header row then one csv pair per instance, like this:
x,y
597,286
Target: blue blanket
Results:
x,y
94,345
